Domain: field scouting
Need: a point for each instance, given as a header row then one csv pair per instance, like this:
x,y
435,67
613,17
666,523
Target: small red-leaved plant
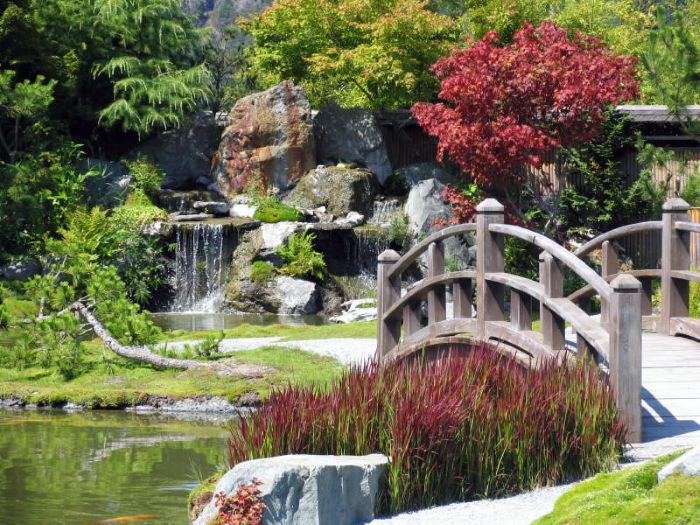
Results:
x,y
244,507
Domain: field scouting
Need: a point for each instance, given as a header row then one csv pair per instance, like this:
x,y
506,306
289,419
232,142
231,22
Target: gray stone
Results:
x,y
159,229
109,187
296,296
184,154
425,205
351,135
20,270
269,140
218,209
351,220
191,217
274,235
184,201
339,190
688,464
245,211
415,173
308,490
356,310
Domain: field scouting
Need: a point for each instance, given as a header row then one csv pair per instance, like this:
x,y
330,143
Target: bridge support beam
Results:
x,y
388,292
625,329
675,255
610,266
489,258
552,279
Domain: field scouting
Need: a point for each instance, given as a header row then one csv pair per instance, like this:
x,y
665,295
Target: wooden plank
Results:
x,y
437,305
614,234
670,373
677,408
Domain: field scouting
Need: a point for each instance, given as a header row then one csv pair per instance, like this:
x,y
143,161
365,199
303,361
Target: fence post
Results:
x,y
610,266
675,255
552,279
489,259
436,296
388,291
625,366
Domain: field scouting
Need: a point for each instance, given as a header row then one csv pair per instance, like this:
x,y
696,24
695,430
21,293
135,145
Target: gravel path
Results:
x,y
516,510
347,351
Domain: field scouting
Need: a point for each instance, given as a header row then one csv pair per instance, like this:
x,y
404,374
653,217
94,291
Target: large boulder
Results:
x,y
296,296
351,135
415,173
308,490
424,207
109,187
340,190
184,154
269,135
20,270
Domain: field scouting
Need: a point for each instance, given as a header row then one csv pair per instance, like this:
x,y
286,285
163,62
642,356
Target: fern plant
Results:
x,y
300,258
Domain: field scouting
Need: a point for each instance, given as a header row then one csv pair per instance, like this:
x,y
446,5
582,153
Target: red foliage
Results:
x,y
464,208
508,105
242,508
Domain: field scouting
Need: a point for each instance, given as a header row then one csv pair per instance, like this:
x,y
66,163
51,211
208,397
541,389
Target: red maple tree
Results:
x,y
508,105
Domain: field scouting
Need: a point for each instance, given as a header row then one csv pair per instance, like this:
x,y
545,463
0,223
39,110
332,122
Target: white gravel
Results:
x,y
516,510
347,351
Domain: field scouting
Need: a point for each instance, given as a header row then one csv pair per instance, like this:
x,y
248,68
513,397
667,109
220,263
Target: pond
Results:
x,y
194,322
92,467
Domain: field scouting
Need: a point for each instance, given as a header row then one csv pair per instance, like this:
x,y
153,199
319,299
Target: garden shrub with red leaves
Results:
x,y
244,507
456,428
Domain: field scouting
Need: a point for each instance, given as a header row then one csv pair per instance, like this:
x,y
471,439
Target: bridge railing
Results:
x,y
674,275
617,342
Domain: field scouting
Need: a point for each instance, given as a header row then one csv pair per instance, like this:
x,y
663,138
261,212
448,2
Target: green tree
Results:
x,y
369,54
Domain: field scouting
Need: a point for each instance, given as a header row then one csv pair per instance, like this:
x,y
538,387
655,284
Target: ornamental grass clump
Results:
x,y
455,428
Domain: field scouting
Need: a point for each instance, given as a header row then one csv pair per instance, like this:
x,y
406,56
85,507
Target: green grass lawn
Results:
x,y
630,496
110,382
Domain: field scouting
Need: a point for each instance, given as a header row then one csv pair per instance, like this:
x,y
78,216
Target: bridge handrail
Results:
x,y
556,250
693,227
411,255
617,233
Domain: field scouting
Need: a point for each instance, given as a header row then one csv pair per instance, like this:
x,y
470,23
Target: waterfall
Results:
x,y
366,246
384,211
202,258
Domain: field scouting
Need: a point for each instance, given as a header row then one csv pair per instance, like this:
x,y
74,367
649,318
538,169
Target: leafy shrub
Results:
x,y
691,192
300,258
272,210
458,427
398,231
147,177
261,272
133,217
245,507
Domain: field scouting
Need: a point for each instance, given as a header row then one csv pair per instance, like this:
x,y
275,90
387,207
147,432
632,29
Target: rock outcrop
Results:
x,y
339,190
688,465
308,490
20,270
270,136
184,154
351,135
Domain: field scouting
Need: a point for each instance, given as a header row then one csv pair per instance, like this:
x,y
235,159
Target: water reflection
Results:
x,y
195,322
93,467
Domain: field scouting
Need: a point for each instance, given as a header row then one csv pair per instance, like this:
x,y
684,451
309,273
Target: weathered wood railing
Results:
x,y
617,342
674,275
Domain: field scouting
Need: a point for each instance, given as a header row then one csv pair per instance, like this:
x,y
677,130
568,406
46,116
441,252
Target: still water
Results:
x,y
194,322
91,467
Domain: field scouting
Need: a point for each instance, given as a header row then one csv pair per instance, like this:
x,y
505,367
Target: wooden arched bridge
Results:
x,y
657,370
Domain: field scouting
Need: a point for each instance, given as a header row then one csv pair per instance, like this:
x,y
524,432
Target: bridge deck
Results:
x,y
670,391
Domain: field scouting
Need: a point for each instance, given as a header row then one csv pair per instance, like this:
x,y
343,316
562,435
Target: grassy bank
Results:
x,y
630,496
112,382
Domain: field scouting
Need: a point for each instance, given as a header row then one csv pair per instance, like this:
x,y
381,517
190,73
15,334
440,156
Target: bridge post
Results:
x,y
625,366
552,279
436,297
675,255
610,266
388,291
489,259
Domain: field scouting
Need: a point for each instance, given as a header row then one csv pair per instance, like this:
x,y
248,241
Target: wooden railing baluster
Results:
x,y
436,296
625,362
388,291
552,279
520,310
489,258
462,299
610,266
411,318
675,255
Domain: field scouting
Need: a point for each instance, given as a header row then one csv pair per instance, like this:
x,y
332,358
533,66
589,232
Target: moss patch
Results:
x,y
201,495
272,210
631,495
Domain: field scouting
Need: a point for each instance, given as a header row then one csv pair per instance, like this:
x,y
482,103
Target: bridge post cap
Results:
x,y
489,206
544,255
388,256
626,283
674,205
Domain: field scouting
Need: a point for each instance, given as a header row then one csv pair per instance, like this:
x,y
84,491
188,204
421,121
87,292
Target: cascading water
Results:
x,y
202,258
385,211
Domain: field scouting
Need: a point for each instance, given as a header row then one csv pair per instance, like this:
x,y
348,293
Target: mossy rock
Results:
x,y
272,210
340,189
